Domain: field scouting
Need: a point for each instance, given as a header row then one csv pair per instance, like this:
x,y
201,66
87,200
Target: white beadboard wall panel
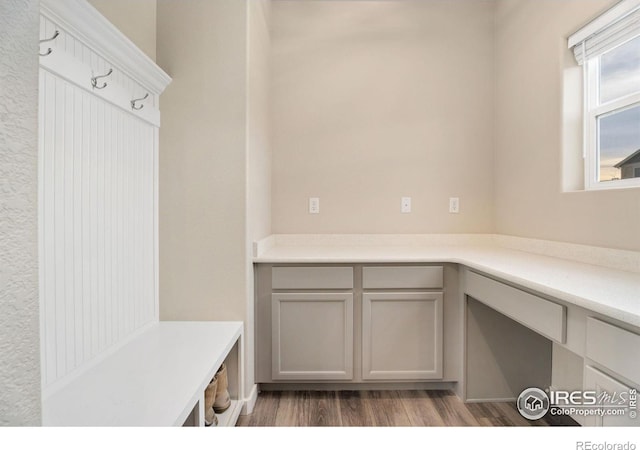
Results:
x,y
98,192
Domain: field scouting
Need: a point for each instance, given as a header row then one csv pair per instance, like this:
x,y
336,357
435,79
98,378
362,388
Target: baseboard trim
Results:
x,y
250,401
395,386
490,400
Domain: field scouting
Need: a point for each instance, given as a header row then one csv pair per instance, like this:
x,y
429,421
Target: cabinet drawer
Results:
x,y
614,348
401,277
545,317
312,278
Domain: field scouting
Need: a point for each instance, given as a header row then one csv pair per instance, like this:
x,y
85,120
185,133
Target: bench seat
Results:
x,y
156,379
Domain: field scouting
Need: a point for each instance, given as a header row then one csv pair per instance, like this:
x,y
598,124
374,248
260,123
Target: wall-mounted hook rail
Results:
x,y
94,80
133,102
49,50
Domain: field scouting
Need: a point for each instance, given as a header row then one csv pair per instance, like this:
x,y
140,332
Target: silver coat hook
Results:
x,y
48,52
133,102
94,80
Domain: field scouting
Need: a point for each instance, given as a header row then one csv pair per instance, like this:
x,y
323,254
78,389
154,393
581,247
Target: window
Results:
x,y
609,50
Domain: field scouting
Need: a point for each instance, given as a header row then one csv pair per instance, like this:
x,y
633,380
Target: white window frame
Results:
x,y
594,109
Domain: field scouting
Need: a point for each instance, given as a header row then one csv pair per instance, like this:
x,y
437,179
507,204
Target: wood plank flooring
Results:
x,y
383,408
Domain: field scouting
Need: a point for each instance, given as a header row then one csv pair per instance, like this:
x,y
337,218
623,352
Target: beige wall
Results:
x,y
20,402
212,136
202,46
135,18
376,100
531,55
258,131
258,155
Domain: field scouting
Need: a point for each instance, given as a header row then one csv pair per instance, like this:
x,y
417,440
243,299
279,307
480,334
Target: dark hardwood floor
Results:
x,y
383,408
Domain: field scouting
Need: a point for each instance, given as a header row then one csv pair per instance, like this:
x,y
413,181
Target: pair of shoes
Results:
x,y
209,398
222,401
216,397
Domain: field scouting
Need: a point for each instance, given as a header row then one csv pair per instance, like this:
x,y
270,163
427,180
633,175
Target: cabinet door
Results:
x,y
401,336
600,382
312,336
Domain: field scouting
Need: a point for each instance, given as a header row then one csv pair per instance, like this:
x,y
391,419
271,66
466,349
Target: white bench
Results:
x,y
156,379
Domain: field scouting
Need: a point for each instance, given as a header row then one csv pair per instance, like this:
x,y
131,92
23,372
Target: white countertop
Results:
x,y
609,291
154,380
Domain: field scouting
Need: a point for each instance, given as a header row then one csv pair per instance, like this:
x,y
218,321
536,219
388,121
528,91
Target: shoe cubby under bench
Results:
x,y
157,378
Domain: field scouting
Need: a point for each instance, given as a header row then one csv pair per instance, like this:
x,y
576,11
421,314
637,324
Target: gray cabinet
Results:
x,y
401,336
312,336
354,323
600,382
401,330
613,349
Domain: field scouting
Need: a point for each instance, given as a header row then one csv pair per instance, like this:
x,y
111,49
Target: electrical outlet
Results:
x,y
405,205
454,205
314,205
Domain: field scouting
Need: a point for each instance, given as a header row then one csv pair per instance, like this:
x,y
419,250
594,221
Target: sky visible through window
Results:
x,y
619,132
